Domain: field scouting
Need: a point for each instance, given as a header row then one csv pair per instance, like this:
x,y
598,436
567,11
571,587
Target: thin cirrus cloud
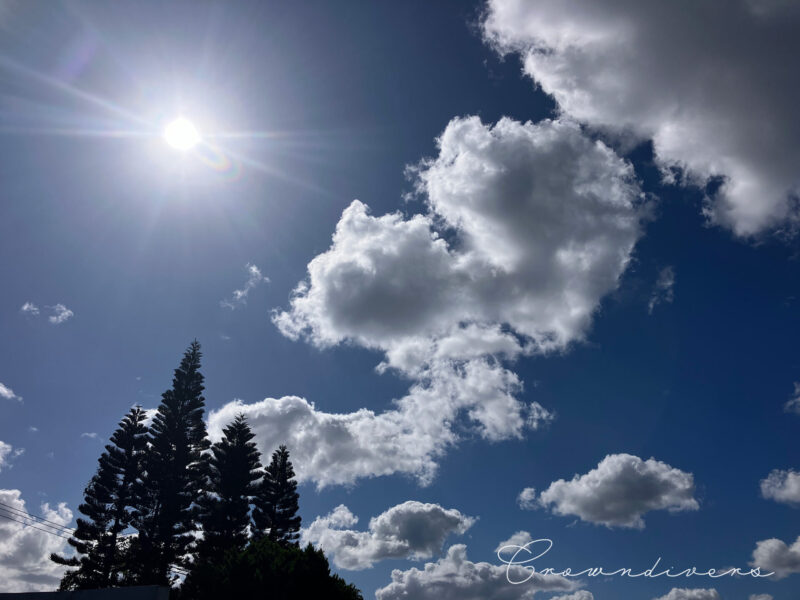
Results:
x,y
544,221
25,564
663,290
719,103
793,404
58,312
618,492
239,297
455,577
413,530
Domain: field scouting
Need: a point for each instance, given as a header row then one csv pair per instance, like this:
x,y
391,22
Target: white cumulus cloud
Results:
x,y
339,448
773,555
25,565
717,100
455,577
528,227
620,490
782,486
526,499
409,530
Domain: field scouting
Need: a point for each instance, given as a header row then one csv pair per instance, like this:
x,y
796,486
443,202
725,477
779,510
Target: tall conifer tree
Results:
x,y
275,513
107,501
235,469
174,475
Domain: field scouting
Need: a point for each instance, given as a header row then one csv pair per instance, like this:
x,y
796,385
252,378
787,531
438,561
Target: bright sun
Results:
x,y
181,134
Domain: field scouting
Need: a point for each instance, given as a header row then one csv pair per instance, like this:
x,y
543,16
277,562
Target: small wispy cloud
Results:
x,y
60,314
663,290
29,308
33,429
239,297
527,499
793,405
5,450
7,393
91,435
8,453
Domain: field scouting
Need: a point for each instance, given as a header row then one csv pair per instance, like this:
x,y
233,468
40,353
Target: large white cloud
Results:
x,y
545,221
782,486
412,530
691,594
339,448
713,84
529,226
620,490
773,555
455,577
24,551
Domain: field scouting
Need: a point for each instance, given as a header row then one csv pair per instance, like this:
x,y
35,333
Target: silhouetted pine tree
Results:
x,y
107,501
174,476
275,513
235,468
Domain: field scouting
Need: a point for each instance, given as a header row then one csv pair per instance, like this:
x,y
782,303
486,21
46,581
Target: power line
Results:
x,y
59,529
66,537
178,570
24,513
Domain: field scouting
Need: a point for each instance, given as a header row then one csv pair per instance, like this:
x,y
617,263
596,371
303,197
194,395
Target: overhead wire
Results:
x,y
20,516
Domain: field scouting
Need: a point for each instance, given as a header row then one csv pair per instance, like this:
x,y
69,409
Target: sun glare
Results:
x,y
181,134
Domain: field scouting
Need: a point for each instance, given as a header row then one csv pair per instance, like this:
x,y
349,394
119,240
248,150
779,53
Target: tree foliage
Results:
x,y
174,475
268,569
275,514
235,468
107,506
160,501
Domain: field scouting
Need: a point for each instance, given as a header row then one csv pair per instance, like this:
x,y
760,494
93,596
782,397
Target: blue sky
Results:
x,y
572,269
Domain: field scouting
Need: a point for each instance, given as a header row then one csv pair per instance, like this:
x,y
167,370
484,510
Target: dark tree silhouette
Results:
x,y
107,501
275,513
235,468
267,569
174,476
